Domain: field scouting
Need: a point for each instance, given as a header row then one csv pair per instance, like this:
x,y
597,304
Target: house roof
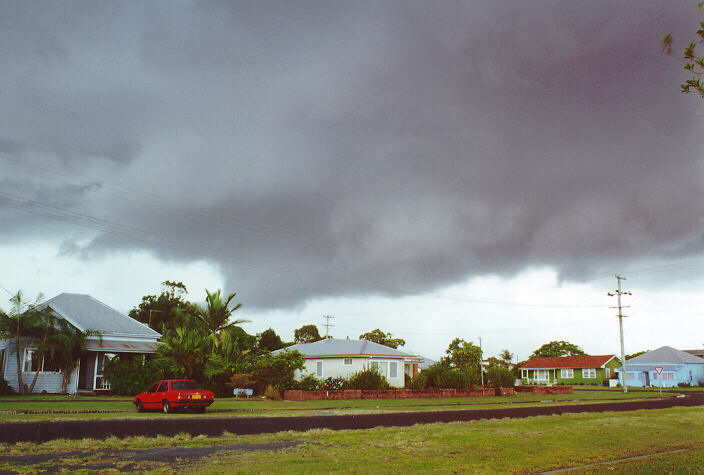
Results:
x,y
556,362
699,353
665,354
87,313
336,348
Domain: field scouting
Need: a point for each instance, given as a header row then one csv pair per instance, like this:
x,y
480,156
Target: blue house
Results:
x,y
674,366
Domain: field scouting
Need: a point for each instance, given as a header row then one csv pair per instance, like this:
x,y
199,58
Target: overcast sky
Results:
x,y
433,169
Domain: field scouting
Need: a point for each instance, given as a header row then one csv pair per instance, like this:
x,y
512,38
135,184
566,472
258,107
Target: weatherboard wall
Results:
x,y
337,368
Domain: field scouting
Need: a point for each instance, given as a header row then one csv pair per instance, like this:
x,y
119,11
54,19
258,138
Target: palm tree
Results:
x,y
215,316
66,347
13,325
506,356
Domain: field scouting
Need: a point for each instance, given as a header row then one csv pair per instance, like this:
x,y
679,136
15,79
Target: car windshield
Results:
x,y
184,385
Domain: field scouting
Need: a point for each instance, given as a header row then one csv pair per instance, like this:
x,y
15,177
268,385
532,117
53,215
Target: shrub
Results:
x,y
308,383
128,375
452,379
278,370
242,380
331,383
272,392
218,383
684,385
500,377
5,388
367,379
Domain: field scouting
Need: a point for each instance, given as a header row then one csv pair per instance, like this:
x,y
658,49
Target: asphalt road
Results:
x,y
12,432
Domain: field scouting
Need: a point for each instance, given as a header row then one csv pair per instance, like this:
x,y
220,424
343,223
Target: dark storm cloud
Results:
x,y
387,148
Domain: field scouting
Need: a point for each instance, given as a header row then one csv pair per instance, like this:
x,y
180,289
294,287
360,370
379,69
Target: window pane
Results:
x,y
393,373
163,387
50,364
319,369
185,385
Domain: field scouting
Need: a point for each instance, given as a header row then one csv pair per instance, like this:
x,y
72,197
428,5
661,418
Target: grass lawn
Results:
x,y
655,441
53,407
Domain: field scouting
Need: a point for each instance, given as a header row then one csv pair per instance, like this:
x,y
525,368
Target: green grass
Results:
x,y
489,446
52,407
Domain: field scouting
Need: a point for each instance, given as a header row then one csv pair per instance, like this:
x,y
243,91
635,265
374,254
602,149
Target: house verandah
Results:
x,y
118,334
580,369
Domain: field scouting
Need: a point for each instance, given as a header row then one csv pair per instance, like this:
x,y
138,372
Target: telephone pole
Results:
x,y
618,294
328,325
481,357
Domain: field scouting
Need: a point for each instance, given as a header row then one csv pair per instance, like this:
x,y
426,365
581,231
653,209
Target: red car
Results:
x,y
173,394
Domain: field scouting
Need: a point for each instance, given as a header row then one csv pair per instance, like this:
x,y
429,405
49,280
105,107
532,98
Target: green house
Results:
x,y
569,369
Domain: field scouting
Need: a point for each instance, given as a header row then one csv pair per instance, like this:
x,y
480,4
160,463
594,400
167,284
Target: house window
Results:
x,y
524,373
393,370
668,376
319,369
348,360
50,364
589,373
631,376
31,361
567,373
2,364
607,372
542,375
379,366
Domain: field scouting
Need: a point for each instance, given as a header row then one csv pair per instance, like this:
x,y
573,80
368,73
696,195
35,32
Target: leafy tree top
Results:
x,y
269,340
306,334
558,348
215,316
463,355
693,63
378,336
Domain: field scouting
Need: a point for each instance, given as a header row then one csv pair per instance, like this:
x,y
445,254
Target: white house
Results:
x,y
119,334
342,358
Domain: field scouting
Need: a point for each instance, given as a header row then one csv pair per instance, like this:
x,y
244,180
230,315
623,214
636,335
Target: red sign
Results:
x,y
658,369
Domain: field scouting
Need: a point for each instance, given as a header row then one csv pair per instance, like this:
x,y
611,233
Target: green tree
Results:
x,y
558,348
306,334
633,355
277,370
215,316
186,353
506,356
693,63
268,340
14,324
166,311
500,376
465,356
378,336
66,346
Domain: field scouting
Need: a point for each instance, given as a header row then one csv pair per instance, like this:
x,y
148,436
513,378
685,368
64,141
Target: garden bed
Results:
x,y
299,395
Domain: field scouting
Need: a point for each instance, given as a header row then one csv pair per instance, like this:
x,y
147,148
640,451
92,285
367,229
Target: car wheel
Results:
x,y
166,407
140,406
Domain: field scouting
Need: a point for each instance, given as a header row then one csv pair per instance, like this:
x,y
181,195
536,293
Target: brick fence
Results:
x,y
544,389
298,395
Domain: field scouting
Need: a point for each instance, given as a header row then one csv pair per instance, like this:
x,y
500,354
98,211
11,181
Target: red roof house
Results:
x,y
582,369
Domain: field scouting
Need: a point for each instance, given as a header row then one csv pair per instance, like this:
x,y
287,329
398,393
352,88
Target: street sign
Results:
x,y
658,369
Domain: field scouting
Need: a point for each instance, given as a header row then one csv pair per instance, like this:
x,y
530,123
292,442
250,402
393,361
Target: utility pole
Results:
x,y
481,357
327,325
618,294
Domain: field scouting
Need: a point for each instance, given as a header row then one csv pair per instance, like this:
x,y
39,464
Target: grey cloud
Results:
x,y
383,148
